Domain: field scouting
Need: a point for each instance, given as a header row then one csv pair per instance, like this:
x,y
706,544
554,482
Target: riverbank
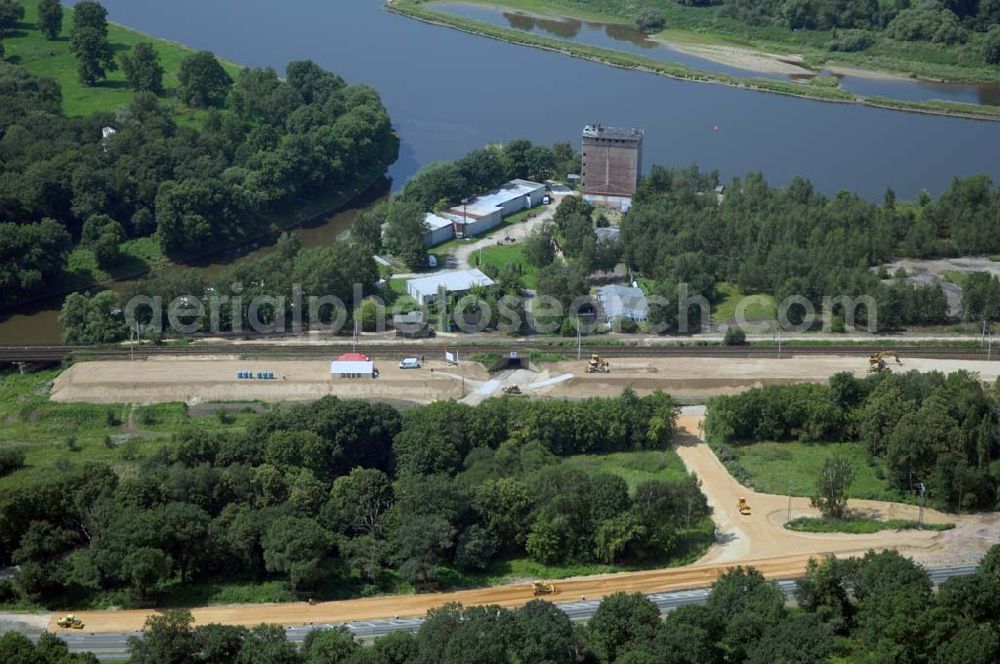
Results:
x,y
817,91
703,27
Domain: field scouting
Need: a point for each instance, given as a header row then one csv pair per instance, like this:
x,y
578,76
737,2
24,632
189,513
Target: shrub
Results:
x,y
991,46
851,41
11,459
735,336
650,21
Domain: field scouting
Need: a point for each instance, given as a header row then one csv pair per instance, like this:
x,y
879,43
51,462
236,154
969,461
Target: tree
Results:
x,y
50,18
991,46
404,233
167,638
362,498
621,621
823,591
11,11
297,547
539,247
831,487
144,568
94,56
545,634
330,646
367,230
203,81
650,21
90,14
142,68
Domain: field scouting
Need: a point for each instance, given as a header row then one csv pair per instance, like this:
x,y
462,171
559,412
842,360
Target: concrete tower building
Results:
x,y
612,163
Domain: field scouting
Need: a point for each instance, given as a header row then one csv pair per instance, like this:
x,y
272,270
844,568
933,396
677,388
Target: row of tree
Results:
x,y
347,496
880,607
941,431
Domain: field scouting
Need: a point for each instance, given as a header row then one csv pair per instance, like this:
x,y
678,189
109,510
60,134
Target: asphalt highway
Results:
x,y
111,646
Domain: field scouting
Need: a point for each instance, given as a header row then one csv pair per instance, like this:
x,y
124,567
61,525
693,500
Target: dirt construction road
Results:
x,y
759,540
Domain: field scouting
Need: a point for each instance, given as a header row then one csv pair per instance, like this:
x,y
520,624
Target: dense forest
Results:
x,y
941,431
878,608
795,241
337,498
261,144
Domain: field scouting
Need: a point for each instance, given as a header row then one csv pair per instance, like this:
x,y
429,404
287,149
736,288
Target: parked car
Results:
x,y
546,200
409,363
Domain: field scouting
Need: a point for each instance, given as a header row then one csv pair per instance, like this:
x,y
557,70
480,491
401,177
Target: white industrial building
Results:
x,y
353,365
425,289
623,302
439,229
484,212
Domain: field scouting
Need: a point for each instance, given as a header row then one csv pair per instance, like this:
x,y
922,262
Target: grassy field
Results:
x,y
53,59
506,254
57,435
730,296
633,467
784,468
808,524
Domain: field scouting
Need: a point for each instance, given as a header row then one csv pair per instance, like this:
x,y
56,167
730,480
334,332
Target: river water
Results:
x,y
449,92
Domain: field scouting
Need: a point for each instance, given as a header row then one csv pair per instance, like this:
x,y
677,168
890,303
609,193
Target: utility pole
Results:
x,y
789,518
578,340
354,341
923,495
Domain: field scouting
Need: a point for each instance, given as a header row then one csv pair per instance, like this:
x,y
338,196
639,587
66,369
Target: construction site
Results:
x,y
690,379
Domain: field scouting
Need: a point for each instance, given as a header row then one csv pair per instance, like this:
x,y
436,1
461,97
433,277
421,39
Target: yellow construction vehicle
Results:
x,y
878,363
70,621
542,587
743,507
598,364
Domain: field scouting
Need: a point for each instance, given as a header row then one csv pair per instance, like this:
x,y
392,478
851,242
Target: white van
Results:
x,y
409,363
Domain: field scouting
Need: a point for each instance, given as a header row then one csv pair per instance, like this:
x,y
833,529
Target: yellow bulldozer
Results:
x,y
70,621
598,364
743,506
542,587
879,362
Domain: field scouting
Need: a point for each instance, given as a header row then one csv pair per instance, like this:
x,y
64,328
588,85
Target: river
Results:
x,y
449,92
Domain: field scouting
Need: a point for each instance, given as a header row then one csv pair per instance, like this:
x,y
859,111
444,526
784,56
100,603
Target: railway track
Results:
x,y
30,354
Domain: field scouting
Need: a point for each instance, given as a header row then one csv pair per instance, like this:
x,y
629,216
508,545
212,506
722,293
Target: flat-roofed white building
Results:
x,y
425,289
439,229
484,212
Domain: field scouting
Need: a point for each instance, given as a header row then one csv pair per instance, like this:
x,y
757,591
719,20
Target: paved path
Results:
x,y
517,232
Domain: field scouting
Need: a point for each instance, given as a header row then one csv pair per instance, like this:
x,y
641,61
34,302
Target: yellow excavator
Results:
x,y
878,363
598,364
542,587
70,621
743,506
